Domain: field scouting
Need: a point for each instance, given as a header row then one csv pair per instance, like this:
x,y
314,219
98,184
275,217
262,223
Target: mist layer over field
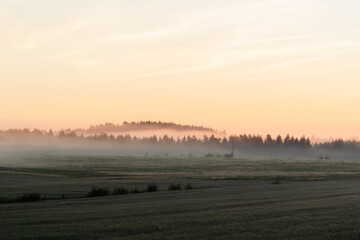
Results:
x,y
13,151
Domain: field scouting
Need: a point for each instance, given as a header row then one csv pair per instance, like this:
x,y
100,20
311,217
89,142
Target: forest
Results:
x,y
242,140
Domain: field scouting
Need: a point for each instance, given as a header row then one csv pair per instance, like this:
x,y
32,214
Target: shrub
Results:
x,y
152,187
135,190
173,187
97,191
120,191
28,197
5,200
188,186
276,180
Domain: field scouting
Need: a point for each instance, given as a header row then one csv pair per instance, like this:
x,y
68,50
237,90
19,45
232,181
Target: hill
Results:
x,y
127,127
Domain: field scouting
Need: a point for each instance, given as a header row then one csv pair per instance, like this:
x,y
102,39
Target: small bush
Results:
x,y
28,197
97,192
276,180
135,190
120,191
173,187
188,186
152,187
5,200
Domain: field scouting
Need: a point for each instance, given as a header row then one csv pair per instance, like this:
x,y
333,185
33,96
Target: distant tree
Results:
x,y
205,139
287,140
268,140
50,133
278,140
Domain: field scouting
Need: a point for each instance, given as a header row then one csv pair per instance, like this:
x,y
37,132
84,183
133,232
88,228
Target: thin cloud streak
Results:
x,y
338,44
294,62
226,58
265,40
160,32
218,13
23,35
212,65
191,21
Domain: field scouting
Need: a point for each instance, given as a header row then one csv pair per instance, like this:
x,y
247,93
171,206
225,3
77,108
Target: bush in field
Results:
x,y
29,197
173,187
5,200
152,187
188,186
97,191
276,180
135,190
120,191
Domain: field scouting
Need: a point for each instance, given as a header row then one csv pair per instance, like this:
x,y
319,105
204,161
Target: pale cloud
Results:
x,y
207,66
223,58
246,41
234,10
24,36
145,35
337,44
293,62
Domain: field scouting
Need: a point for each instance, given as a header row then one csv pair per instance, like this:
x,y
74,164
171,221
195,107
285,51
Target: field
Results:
x,y
230,199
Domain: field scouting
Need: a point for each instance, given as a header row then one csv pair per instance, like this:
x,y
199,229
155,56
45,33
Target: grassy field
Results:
x,y
231,199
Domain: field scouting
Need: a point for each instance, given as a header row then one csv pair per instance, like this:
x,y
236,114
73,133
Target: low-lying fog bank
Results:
x,y
10,148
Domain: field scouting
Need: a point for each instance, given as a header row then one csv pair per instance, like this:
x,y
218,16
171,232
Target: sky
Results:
x,y
249,66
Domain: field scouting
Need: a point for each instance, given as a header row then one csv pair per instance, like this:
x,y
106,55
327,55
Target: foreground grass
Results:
x,y
305,210
172,167
227,203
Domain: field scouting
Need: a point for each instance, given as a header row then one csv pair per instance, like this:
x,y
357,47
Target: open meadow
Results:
x,y
228,198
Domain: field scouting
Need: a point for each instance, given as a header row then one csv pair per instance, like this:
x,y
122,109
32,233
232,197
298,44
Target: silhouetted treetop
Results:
x,y
148,125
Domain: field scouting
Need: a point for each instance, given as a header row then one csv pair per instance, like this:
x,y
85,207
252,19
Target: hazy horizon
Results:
x,y
159,132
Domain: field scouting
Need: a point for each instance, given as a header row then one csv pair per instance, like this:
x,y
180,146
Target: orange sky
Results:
x,y
242,66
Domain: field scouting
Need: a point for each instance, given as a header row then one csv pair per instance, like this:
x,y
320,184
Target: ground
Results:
x,y
231,199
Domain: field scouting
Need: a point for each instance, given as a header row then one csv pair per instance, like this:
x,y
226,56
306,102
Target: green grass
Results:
x,y
292,210
230,198
173,167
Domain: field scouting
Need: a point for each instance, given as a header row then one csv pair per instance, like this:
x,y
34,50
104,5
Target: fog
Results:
x,y
15,151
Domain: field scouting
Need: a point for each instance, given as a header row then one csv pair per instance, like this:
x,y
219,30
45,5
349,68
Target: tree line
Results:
x,y
242,140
